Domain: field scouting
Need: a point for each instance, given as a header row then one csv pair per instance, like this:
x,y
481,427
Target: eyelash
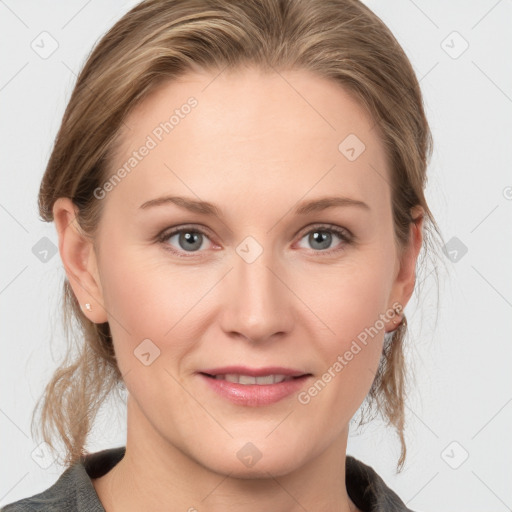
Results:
x,y
343,234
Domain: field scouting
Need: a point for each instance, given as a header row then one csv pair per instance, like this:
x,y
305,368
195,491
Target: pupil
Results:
x,y
323,238
191,239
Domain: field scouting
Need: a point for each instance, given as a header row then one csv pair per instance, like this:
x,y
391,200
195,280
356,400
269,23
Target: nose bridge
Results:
x,y
258,303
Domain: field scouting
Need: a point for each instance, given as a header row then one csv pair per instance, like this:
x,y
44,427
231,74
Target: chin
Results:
x,y
253,460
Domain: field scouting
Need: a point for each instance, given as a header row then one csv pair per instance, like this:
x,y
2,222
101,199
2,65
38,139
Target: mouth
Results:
x,y
246,380
254,386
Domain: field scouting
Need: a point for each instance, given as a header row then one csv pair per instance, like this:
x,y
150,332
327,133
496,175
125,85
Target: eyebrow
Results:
x,y
206,208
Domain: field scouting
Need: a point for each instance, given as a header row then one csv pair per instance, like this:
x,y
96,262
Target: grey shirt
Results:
x,y
73,491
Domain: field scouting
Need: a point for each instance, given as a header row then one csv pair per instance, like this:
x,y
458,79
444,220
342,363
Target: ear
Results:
x,y
79,260
405,280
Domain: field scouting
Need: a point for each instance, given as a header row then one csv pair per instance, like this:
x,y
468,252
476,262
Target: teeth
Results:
x,y
264,379
249,379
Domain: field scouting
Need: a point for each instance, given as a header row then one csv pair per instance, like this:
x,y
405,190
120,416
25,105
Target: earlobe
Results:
x,y
79,260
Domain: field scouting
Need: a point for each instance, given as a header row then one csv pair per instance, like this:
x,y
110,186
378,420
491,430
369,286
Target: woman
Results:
x,y
208,146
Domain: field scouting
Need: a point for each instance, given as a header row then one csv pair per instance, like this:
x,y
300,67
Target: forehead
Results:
x,y
275,136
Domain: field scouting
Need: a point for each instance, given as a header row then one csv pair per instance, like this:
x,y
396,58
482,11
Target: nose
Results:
x,y
258,305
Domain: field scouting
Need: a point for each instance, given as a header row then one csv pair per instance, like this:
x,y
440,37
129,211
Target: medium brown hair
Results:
x,y
156,42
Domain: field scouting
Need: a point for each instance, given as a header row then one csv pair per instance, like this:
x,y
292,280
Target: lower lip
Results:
x,y
254,395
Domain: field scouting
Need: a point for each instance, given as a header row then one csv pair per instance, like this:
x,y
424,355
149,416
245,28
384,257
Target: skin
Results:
x,y
255,147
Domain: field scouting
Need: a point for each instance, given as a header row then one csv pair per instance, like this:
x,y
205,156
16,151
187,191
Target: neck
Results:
x,y
155,475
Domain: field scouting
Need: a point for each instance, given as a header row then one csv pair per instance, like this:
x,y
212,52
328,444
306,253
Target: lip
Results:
x,y
254,395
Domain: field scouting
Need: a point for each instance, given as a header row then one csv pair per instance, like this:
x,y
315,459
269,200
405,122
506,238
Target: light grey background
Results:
x,y
461,405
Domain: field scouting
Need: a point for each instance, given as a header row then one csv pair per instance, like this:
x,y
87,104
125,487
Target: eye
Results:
x,y
187,240
321,237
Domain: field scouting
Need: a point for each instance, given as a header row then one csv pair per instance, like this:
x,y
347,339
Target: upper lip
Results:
x,y
254,372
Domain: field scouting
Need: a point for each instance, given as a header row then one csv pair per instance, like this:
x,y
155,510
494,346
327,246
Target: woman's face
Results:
x,y
257,280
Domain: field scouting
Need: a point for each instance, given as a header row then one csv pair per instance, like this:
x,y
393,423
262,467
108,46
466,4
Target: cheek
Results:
x,y
143,302
352,308
350,298
148,298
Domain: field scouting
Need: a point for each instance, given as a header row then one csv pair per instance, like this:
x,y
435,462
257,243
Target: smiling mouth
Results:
x,y
262,380
264,387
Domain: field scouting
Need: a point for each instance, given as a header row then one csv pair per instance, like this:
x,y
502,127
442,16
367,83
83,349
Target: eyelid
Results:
x,y
326,227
